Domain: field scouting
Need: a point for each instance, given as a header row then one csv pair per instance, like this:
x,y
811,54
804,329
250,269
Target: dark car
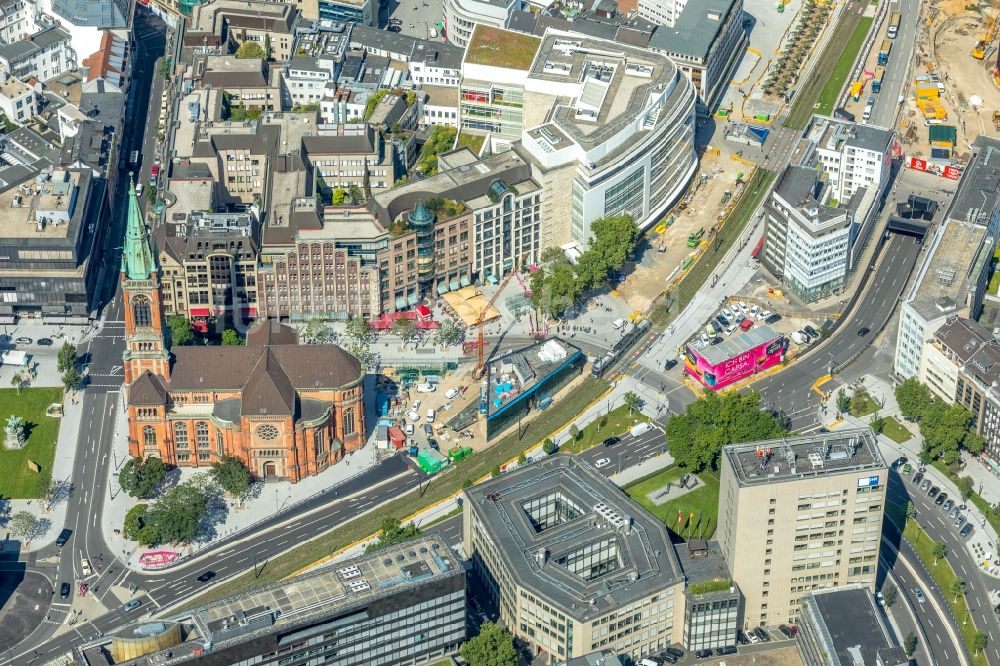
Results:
x,y
722,651
63,537
918,477
676,652
64,590
787,631
933,491
666,659
741,638
762,634
23,340
863,331
701,654
428,430
207,576
811,331
393,28
45,342
722,321
966,531
669,365
940,499
772,319
611,441
433,444
996,609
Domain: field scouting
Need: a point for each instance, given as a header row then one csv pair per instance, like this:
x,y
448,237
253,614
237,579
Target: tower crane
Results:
x,y
481,321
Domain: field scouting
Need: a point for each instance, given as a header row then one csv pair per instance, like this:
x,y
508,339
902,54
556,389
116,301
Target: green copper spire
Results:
x,y
138,260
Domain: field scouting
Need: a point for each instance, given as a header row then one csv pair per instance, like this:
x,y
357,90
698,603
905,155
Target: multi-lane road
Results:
x,y
898,68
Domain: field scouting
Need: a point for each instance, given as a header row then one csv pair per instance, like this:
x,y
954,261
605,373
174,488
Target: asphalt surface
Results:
x,y
896,70
789,389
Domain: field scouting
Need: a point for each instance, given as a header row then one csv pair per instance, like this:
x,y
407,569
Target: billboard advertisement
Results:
x,y
724,373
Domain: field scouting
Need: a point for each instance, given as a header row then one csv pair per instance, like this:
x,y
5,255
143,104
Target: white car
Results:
x,y
415,407
451,393
408,428
426,388
753,637
430,415
728,314
730,329
413,416
743,307
603,462
754,309
764,314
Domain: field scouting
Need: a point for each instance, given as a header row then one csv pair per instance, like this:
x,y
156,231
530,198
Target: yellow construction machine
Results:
x,y
983,45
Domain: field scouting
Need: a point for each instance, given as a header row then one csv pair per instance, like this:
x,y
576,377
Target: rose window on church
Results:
x,y
267,432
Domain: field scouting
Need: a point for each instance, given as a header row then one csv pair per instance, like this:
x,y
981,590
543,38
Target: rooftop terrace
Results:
x,y
501,48
794,458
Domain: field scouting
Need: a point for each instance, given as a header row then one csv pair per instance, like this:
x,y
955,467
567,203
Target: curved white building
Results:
x,y
618,133
461,16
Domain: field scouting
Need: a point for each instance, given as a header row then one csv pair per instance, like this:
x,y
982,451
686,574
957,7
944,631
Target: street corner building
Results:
x,y
287,411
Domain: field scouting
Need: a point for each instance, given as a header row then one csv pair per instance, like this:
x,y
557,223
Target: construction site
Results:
x,y
953,92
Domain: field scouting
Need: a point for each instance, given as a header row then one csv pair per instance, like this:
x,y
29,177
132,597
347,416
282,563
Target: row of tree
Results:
x,y
558,285
182,333
945,428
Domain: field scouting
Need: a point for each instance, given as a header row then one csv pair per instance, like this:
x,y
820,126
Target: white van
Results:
x,y
619,324
138,189
868,111
430,415
640,429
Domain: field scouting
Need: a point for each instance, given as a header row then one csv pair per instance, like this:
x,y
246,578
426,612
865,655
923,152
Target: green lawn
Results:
x,y
473,141
943,575
16,480
700,273
895,431
619,421
440,487
704,502
863,405
830,73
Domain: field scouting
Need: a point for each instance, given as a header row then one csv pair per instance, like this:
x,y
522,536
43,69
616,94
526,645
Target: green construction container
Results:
x,y
431,461
459,452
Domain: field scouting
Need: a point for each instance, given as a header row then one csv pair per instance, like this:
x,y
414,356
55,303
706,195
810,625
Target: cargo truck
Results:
x,y
883,53
877,80
893,25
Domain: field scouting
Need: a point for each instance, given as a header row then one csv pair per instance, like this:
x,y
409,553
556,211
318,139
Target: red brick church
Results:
x,y
288,411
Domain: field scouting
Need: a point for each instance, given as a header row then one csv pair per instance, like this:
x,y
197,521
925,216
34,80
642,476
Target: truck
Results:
x,y
397,438
133,159
893,29
695,237
877,80
883,53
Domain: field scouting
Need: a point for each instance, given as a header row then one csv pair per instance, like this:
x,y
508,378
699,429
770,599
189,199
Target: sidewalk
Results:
x,y
985,538
228,519
51,522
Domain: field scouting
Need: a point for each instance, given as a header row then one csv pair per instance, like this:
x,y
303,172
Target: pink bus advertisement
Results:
x,y
737,358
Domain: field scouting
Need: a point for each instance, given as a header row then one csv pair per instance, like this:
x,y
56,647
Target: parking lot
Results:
x,y
416,18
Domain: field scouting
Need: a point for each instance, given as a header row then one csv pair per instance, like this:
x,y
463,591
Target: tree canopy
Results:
x,y
67,357
913,399
945,428
232,475
181,330
697,436
251,50
391,531
231,338
178,514
493,646
140,478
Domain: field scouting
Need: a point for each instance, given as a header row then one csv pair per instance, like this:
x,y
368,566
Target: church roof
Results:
x,y
138,258
268,390
271,332
147,390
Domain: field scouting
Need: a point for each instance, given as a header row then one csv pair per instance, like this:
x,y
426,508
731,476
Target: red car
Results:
x,y
153,173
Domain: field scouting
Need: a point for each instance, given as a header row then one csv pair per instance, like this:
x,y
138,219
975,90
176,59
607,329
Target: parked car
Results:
x,y
729,314
611,441
426,387
959,520
23,340
677,652
602,462
764,314
772,319
731,329
154,173
451,393
788,631
433,444
940,499
722,651
413,416
45,342
754,309
207,576
753,637
669,365
926,485
946,507
428,430
813,333
918,477
966,531
415,407
762,633
63,537
408,428
430,415
919,595
933,491
743,307
64,590
703,654
741,637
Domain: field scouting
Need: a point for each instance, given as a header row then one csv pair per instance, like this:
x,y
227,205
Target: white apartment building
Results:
x,y
461,17
304,81
956,268
429,62
952,346
610,127
17,100
852,156
662,12
46,55
17,20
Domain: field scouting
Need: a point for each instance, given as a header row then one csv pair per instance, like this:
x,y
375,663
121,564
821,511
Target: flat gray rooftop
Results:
x,y
695,30
543,515
737,344
979,190
794,458
851,623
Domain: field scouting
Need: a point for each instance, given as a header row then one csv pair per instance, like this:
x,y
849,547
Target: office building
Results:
x,y
230,23
364,12
705,39
713,607
573,564
304,80
953,345
347,157
953,276
978,390
852,156
103,14
462,16
609,128
429,62
843,627
209,266
400,606
799,514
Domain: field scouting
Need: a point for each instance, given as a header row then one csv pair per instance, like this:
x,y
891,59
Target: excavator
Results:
x,y
983,45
